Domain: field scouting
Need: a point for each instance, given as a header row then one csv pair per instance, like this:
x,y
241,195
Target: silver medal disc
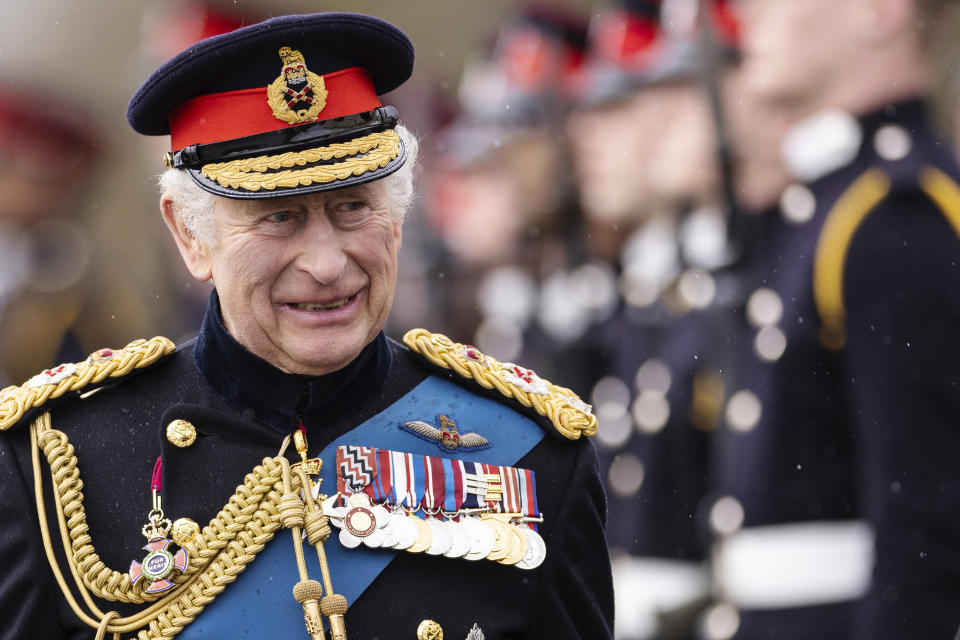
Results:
x,y
441,538
460,541
390,535
406,531
536,549
376,539
481,537
349,540
336,514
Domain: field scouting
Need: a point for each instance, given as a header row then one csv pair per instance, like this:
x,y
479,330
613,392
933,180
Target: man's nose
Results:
x,y
321,250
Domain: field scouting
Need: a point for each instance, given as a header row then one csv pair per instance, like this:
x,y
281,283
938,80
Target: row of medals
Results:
x,y
479,535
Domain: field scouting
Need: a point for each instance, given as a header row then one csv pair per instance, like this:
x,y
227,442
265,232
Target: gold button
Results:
x,y
184,530
429,630
181,433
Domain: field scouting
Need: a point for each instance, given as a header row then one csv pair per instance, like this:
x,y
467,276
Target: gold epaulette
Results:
x,y
570,415
101,365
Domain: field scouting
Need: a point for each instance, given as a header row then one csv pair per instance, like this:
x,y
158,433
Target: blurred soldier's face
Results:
x,y
791,47
682,165
611,147
478,214
305,282
755,129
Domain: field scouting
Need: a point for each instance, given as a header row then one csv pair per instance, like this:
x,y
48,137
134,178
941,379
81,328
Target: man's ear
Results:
x,y
195,254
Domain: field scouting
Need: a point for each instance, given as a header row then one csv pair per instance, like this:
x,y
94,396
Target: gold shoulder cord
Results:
x,y
101,365
570,416
267,500
841,224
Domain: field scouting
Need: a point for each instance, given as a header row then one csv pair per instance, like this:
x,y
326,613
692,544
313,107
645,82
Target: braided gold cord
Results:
x,y
570,416
235,555
16,401
218,554
252,173
244,505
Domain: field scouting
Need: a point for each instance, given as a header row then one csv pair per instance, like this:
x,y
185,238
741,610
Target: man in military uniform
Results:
x,y
837,468
444,492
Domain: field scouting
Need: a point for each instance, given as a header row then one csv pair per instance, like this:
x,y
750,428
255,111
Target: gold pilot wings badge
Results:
x,y
447,437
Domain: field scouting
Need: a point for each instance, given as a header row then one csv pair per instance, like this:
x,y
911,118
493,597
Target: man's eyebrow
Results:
x,y
256,206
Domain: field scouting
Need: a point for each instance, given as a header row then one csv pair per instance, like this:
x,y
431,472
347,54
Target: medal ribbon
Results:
x,y
383,487
434,485
405,479
492,470
453,486
528,496
356,469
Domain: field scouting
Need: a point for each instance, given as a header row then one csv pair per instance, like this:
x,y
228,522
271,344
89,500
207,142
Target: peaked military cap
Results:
x,y
286,106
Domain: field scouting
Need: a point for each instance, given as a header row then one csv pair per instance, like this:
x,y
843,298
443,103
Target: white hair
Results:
x,y
194,207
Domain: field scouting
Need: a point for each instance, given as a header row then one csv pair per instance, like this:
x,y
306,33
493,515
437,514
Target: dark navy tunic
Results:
x,y
859,415
242,407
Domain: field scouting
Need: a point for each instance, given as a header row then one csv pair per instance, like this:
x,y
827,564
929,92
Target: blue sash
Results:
x,y
260,604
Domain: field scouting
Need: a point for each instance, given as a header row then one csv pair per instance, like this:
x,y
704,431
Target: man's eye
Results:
x,y
354,205
280,216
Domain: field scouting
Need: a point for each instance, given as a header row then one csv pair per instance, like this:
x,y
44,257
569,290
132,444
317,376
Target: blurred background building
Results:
x,y
602,196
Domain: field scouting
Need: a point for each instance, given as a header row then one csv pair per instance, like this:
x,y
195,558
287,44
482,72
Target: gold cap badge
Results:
x,y
297,95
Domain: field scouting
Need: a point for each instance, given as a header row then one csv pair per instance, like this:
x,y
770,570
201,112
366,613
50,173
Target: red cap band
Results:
x,y
236,114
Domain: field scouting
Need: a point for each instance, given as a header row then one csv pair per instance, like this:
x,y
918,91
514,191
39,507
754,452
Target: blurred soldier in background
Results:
x,y
837,475
654,472
502,199
47,157
664,140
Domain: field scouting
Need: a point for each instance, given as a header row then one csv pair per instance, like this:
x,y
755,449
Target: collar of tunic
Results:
x,y
256,388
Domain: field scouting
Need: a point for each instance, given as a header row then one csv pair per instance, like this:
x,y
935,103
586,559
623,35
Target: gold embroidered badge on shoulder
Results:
x,y
570,415
99,366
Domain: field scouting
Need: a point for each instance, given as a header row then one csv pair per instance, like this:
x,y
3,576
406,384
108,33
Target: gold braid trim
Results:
x,y
377,150
944,191
53,383
218,554
570,416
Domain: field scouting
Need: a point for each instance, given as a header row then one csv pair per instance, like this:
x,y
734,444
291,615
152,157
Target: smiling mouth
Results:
x,y
316,306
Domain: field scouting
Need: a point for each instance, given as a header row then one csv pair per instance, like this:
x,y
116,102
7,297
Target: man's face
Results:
x,y
792,47
305,282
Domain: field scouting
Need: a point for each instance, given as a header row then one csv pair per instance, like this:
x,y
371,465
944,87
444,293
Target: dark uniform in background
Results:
x,y
665,345
219,416
836,515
